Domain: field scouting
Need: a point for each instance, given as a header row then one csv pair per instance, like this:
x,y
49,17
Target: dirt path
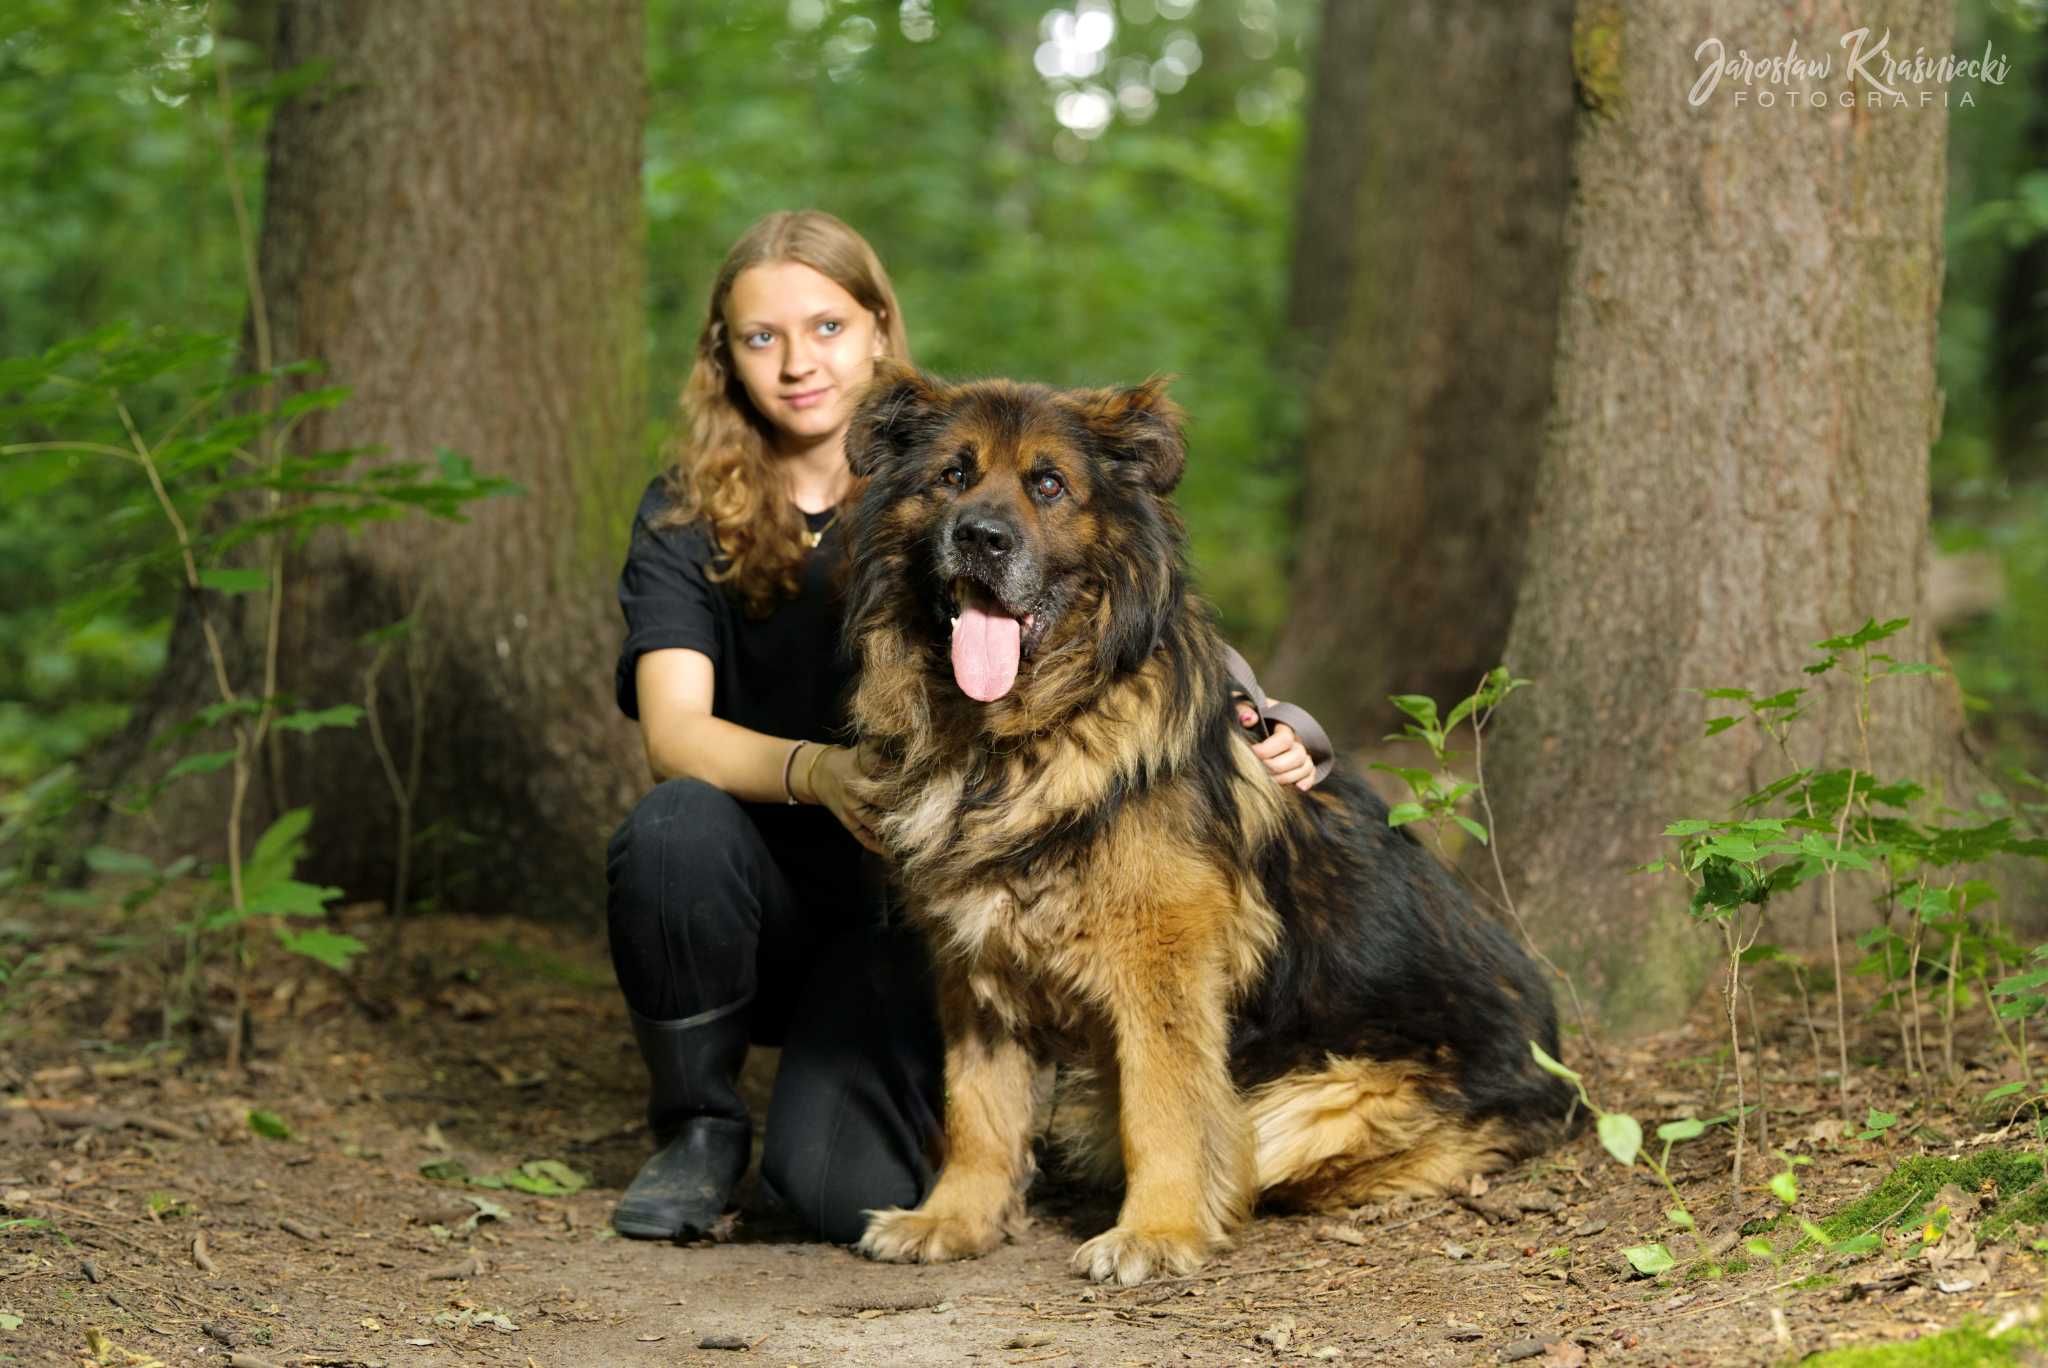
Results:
x,y
143,1216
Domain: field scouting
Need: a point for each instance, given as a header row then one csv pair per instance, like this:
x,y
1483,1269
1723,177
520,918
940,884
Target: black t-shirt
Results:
x,y
785,674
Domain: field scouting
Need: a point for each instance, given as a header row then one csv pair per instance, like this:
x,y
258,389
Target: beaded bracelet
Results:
x,y
789,793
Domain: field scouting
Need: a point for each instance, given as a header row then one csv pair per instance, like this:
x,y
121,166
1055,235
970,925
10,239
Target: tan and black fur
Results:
x,y
1254,991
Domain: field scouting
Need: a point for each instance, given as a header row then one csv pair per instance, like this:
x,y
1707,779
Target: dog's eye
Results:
x,y
953,476
1049,486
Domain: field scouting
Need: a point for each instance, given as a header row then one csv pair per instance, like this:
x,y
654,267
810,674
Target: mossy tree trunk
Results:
x,y
452,228
1426,273
1737,463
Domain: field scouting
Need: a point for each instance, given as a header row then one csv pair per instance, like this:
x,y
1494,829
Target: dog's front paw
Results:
x,y
926,1236
1129,1255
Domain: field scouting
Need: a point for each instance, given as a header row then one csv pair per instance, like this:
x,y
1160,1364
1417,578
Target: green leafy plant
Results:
x,y
1784,1186
1621,1135
236,496
1439,796
1833,823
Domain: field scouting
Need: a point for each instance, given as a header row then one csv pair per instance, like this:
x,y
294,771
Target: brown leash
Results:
x,y
1313,738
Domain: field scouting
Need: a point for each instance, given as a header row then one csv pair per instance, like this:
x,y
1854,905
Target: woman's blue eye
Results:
x,y
758,339
831,327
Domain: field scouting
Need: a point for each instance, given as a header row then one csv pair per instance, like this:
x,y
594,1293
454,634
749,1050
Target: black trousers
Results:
x,y
712,902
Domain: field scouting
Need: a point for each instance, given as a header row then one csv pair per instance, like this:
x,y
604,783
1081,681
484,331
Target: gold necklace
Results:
x,y
811,539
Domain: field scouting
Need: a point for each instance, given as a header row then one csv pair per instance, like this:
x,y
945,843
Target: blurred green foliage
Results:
x,y
1019,246
1990,477
118,209
1081,200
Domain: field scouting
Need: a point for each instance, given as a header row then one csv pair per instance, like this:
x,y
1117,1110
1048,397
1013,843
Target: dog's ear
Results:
x,y
1141,427
896,405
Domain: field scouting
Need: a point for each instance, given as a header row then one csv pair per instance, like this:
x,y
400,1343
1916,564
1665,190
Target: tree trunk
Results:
x,y
453,228
1431,246
1737,464
1333,159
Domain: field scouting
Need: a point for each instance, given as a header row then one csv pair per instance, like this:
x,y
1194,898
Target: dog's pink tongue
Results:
x,y
985,650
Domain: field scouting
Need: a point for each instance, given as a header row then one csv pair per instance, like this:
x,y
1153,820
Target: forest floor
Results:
x,y
144,1218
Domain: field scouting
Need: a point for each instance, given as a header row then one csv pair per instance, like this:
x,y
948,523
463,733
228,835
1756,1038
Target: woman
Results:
x,y
742,908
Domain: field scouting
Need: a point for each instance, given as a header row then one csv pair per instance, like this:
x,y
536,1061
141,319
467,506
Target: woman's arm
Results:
x,y
684,741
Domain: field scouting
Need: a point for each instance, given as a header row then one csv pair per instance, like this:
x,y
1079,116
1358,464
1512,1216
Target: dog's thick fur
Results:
x,y
1255,991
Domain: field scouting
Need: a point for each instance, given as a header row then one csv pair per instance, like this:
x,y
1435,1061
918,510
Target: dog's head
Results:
x,y
1015,524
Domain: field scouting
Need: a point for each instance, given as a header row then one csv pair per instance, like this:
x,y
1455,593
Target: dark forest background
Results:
x,y
1295,207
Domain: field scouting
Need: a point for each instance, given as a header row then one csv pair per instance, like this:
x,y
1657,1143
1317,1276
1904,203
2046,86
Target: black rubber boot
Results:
x,y
699,1123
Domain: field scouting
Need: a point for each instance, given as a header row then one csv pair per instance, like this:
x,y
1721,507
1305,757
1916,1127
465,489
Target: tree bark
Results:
x,y
1737,464
1431,247
1333,159
452,227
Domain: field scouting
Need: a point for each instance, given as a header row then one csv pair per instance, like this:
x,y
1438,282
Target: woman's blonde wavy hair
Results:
x,y
722,472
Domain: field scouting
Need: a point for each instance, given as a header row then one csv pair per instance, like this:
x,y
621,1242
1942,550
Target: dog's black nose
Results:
x,y
981,532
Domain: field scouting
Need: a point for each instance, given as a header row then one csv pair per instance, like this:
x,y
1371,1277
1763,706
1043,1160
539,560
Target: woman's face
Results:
x,y
803,347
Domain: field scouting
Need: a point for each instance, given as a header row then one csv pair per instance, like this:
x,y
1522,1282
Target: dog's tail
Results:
x,y
1358,1129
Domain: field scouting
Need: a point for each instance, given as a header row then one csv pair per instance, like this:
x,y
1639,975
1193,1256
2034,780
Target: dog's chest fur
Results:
x,y
1023,930
1039,915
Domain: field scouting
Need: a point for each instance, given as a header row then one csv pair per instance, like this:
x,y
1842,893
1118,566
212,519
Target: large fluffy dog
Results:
x,y
1255,990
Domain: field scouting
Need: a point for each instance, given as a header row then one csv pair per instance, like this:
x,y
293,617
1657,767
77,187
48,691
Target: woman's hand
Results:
x,y
1283,754
831,780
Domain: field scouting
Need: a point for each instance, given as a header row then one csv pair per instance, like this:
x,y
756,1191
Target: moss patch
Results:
x,y
1963,1347
2025,1208
1902,1197
1597,56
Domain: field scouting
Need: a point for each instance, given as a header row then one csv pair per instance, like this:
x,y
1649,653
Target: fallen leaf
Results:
x,y
1828,1128
1564,1354
1649,1260
1279,1334
1453,1250
467,1004
1350,1235
486,1210
1032,1339
434,1140
268,1124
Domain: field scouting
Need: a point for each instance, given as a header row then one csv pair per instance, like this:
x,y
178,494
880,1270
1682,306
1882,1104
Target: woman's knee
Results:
x,y
685,810
831,1185
687,850
680,824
